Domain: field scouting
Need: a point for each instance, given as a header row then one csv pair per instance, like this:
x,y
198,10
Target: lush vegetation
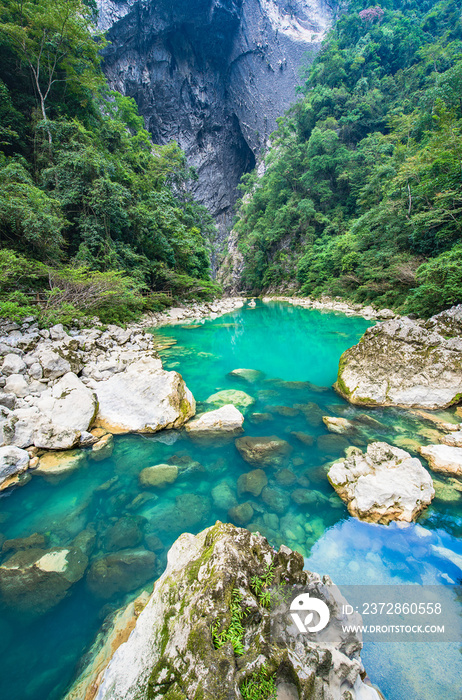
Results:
x,y
362,194
94,217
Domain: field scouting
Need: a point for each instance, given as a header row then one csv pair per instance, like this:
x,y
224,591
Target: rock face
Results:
x,y
172,653
145,398
383,484
406,363
443,458
213,76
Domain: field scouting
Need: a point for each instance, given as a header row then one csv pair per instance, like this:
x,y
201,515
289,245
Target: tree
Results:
x,y
53,39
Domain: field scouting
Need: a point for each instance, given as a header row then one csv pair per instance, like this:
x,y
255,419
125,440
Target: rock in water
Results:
x,y
33,581
144,399
158,475
13,460
443,458
406,363
338,425
383,484
225,419
249,376
230,396
264,451
171,652
120,572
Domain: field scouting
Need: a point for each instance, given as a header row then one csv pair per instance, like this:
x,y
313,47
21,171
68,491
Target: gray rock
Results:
x,y
33,581
8,400
57,332
13,364
16,384
35,371
54,366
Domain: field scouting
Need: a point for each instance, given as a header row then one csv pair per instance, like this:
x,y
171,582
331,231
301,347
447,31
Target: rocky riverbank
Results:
x,y
65,389
208,631
325,303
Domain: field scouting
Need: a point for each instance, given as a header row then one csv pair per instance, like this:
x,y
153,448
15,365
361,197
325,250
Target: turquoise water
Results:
x,y
297,351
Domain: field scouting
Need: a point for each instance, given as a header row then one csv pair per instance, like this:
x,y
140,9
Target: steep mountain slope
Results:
x,y
362,194
214,75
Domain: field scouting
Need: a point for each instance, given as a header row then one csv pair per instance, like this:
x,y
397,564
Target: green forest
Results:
x,y
94,218
362,194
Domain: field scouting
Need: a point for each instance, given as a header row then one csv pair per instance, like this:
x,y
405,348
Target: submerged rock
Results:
x,y
33,580
252,482
383,484
173,653
227,419
224,496
239,399
264,451
407,363
159,475
246,375
144,399
13,461
120,572
443,458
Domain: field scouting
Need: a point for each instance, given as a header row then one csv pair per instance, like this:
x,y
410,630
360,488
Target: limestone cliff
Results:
x,y
214,75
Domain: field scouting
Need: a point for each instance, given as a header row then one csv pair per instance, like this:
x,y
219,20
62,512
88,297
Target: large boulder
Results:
x,y
383,484
74,405
175,650
270,451
224,419
13,461
406,363
443,458
144,399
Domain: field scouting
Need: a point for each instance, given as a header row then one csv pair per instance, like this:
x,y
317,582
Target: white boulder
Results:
x,y
443,458
16,384
13,364
13,460
145,398
227,418
383,484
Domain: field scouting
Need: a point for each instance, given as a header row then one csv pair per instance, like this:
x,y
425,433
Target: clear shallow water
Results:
x,y
39,658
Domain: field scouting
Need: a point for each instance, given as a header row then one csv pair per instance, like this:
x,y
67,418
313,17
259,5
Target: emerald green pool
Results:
x,y
297,350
